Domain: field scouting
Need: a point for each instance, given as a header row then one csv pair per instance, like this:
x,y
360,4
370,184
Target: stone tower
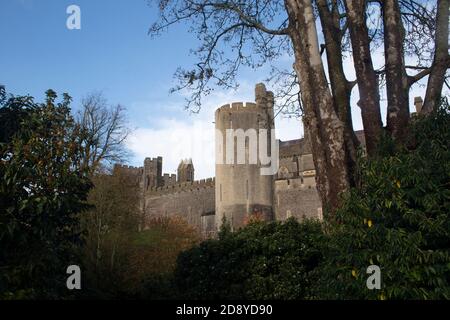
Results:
x,y
185,171
241,190
152,176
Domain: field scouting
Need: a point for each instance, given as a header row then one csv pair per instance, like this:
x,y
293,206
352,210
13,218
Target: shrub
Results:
x,y
261,261
399,219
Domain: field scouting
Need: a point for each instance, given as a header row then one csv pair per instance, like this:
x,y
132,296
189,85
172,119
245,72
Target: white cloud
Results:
x,y
177,137
176,140
193,136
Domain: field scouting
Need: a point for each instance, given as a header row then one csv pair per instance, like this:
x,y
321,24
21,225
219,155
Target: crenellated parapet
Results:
x,y
152,161
128,169
169,179
239,190
182,187
239,107
248,114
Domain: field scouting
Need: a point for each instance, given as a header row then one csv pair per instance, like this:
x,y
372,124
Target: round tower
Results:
x,y
242,191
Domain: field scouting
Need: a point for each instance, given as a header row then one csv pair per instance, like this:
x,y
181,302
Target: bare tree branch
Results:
x,y
104,131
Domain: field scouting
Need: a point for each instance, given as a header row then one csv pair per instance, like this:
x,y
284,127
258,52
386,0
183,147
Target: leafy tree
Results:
x,y
235,34
153,256
42,190
110,225
13,110
260,261
122,257
399,219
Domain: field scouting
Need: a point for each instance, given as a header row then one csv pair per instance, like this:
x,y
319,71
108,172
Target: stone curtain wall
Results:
x,y
192,201
196,203
292,198
295,193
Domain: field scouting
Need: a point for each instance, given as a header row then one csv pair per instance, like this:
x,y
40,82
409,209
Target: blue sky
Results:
x,y
112,53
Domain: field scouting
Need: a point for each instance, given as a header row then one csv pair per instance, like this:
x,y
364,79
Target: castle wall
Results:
x,y
296,198
169,179
239,190
208,225
290,148
293,196
193,201
288,168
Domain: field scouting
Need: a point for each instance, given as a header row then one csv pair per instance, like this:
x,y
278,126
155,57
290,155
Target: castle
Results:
x,y
239,190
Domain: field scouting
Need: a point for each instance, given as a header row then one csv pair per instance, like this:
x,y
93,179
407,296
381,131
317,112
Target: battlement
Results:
x,y
240,190
169,179
128,169
152,160
239,107
129,172
124,166
183,187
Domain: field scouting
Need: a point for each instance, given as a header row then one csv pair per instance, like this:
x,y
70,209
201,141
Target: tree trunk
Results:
x,y
396,78
365,74
440,61
340,87
325,129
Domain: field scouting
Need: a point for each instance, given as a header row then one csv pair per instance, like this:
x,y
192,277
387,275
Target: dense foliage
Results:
x,y
120,260
109,226
51,217
260,261
153,257
398,219
41,192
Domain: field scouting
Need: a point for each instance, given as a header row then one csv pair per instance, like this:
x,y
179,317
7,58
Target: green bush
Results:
x,y
398,219
261,261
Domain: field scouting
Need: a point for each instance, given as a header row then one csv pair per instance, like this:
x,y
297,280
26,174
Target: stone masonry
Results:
x,y
238,191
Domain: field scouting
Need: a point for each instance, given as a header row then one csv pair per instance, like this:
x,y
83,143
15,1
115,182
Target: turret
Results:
x,y
242,191
152,173
186,171
418,103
